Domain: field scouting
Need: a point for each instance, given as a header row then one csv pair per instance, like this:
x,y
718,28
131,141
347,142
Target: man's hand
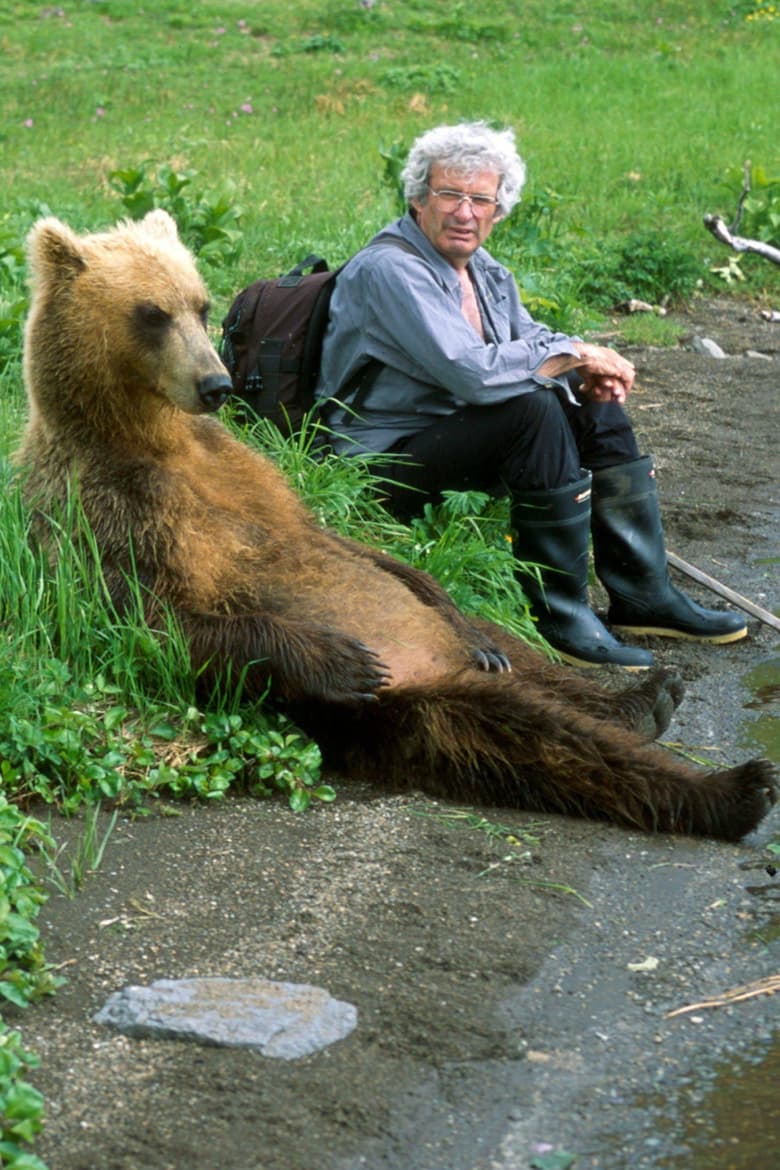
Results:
x,y
606,376
602,389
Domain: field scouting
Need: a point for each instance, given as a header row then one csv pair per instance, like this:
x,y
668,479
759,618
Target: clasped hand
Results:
x,y
606,376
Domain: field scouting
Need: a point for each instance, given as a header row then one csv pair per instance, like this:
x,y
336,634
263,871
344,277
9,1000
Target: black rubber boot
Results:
x,y
630,558
552,530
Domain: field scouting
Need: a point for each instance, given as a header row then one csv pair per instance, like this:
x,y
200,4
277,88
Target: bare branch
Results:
x,y
715,224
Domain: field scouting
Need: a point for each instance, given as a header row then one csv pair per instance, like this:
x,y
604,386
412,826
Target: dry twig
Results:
x,y
766,986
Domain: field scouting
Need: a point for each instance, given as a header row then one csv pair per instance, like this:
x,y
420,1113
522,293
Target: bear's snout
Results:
x,y
213,390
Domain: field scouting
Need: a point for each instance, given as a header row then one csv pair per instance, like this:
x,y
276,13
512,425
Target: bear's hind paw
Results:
x,y
747,794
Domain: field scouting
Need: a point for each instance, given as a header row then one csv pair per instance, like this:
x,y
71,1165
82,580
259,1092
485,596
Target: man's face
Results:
x,y
457,232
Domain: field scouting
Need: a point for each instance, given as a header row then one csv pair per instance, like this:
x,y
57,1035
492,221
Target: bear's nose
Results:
x,y
213,390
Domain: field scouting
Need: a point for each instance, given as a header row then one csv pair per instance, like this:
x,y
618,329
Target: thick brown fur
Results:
x,y
369,654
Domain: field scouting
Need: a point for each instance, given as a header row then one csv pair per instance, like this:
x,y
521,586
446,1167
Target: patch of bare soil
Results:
x,y
495,1010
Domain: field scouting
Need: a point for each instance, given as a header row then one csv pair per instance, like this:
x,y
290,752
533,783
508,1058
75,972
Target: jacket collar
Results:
x,y
406,227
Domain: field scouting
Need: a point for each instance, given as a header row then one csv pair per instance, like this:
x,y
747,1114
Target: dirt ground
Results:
x,y
497,1011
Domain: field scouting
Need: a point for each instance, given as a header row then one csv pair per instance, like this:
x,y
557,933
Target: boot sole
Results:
x,y
664,632
570,660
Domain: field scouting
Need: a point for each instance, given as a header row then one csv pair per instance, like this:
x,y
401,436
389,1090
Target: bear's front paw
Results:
x,y
489,658
351,672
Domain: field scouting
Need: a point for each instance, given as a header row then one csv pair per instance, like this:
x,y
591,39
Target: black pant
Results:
x,y
530,443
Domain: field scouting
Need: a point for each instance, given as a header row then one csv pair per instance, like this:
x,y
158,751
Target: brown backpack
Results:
x,y
272,341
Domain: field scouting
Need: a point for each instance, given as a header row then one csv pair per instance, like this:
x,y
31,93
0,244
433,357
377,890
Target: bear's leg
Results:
x,y
301,659
497,740
645,707
648,707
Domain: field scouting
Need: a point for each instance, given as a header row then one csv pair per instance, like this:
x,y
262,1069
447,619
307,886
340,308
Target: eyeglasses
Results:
x,y
451,200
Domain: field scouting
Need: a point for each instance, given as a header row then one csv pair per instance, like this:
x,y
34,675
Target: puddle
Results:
x,y
762,730
732,1121
729,1118
767,929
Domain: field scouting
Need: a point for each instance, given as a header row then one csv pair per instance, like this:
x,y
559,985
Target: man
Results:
x,y
472,393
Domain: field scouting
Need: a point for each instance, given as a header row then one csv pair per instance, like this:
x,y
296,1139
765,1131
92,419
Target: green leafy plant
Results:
x,y
21,1105
537,242
533,235
86,747
13,295
217,750
466,543
759,201
210,223
318,43
24,976
438,78
647,264
730,271
394,159
461,24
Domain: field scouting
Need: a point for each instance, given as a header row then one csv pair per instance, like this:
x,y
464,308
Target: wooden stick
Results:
x,y
737,599
767,986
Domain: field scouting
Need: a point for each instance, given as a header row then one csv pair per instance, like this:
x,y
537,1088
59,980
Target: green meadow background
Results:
x,y
271,130
633,115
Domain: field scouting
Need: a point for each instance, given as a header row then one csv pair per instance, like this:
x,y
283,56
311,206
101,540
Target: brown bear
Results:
x,y
368,654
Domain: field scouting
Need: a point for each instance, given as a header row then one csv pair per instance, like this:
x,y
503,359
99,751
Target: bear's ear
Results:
x,y
160,224
54,251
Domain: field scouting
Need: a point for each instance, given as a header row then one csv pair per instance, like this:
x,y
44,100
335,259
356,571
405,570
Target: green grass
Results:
x,y
271,130
632,118
633,113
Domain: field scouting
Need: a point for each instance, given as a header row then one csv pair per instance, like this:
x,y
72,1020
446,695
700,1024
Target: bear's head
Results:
x,y
117,327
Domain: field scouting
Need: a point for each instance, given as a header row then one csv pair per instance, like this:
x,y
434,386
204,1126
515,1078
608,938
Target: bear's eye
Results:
x,y
203,313
151,317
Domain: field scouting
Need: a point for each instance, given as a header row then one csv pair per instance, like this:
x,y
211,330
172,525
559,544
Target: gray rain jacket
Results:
x,y
404,310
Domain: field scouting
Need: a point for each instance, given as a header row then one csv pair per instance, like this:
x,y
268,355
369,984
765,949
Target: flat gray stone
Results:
x,y
284,1020
706,346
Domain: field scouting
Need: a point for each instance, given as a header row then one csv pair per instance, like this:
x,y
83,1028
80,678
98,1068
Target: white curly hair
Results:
x,y
466,149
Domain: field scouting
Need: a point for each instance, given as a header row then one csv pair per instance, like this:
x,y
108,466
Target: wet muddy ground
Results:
x,y
512,995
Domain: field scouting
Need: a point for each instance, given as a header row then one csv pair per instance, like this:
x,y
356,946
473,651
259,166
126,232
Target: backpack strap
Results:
x,y
361,383
395,242
296,274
